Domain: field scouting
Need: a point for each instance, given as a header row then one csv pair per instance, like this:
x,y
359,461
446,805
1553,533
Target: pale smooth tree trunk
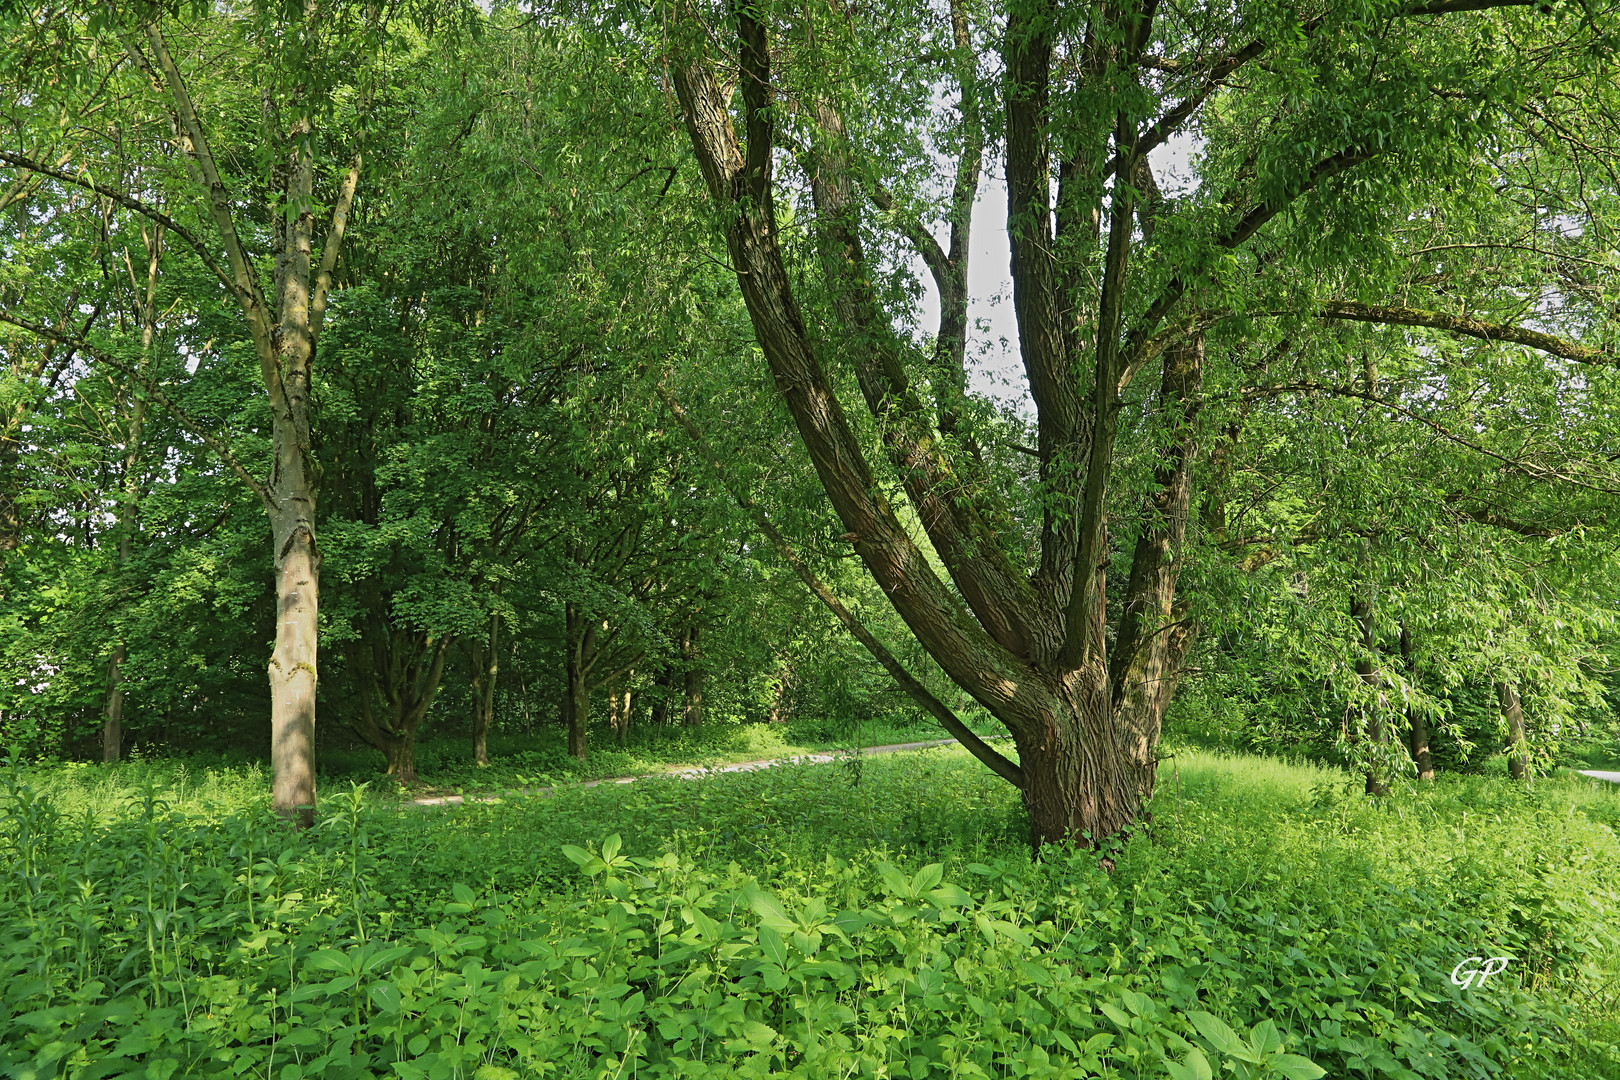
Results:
x,y
1029,643
620,708
1513,712
285,325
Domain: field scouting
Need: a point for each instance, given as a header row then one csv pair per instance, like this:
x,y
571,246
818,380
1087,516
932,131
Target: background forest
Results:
x,y
619,386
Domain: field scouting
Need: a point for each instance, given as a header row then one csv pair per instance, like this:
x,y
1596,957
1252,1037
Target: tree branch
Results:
x,y
245,286
1529,468
157,394
129,202
996,677
919,693
334,243
1465,326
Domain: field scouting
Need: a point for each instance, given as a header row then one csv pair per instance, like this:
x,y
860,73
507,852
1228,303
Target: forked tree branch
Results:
x,y
245,286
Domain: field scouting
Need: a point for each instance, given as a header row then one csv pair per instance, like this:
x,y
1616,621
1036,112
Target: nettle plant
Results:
x,y
926,977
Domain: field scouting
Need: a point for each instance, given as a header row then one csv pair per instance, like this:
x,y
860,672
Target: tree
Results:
x,y
1342,121
304,68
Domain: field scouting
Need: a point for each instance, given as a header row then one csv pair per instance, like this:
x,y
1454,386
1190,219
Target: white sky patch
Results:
x,y
995,368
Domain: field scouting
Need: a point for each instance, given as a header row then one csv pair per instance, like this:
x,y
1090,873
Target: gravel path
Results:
x,y
1599,774
694,771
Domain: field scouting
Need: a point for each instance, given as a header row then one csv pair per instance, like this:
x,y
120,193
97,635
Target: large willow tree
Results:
x,y
816,128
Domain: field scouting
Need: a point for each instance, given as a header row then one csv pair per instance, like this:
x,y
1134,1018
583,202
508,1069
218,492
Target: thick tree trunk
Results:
x,y
692,699
400,754
1513,713
483,690
1031,649
1089,774
112,725
579,656
391,665
292,663
577,712
1417,721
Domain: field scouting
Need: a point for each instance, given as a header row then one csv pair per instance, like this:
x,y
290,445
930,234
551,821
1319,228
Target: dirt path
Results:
x,y
696,771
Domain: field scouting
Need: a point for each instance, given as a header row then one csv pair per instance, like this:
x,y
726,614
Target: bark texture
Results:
x,y
402,669
1513,713
1417,721
285,326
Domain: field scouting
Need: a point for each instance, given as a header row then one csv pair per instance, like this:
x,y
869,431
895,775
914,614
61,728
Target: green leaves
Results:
x,y
1258,1055
1196,1067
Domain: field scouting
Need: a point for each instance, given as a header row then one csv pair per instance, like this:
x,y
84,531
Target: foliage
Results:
x,y
795,923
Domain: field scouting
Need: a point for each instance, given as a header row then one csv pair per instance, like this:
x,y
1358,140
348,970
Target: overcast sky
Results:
x,y
999,372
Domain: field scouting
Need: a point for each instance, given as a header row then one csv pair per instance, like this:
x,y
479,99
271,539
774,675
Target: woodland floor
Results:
x,y
877,915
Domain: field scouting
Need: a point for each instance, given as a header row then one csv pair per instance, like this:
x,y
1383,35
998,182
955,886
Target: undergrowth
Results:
x,y
878,917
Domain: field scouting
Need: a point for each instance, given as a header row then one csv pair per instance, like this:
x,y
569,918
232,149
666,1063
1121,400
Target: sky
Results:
x,y
998,372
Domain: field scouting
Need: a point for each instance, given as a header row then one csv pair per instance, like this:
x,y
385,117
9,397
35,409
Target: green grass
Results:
x,y
541,758
872,917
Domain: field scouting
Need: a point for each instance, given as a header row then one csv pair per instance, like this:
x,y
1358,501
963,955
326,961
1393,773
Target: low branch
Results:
x,y
1447,7
157,394
1469,327
1000,765
128,202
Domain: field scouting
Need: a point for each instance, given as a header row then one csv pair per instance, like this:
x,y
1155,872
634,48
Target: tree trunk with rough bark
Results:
x,y
1417,721
1513,713
577,711
1029,643
692,684
483,690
